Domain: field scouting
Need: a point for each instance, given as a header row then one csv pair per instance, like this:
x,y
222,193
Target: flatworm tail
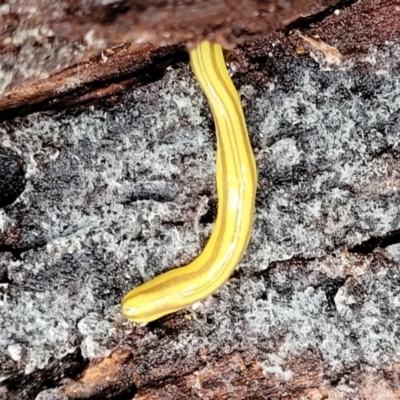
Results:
x,y
236,187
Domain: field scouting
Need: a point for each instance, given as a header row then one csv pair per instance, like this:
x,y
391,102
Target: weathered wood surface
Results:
x,y
41,37
117,186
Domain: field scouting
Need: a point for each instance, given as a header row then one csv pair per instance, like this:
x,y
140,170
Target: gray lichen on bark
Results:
x,y
115,195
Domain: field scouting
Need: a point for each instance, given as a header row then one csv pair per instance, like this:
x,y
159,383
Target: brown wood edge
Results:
x,y
107,74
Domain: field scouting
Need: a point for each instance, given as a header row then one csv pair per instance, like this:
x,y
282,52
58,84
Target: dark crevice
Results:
x,y
152,326
295,262
12,177
108,394
18,250
368,246
16,254
70,366
4,277
162,327
211,214
331,287
172,223
306,22
158,198
128,395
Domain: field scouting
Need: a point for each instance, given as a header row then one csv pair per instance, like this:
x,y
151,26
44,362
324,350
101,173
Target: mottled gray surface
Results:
x,y
115,196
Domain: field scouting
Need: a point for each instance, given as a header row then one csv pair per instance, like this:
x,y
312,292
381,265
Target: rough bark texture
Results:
x,y
41,37
108,187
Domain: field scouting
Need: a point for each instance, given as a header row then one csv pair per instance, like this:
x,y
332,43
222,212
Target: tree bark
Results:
x,y
107,179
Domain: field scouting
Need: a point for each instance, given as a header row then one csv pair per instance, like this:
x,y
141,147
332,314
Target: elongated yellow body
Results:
x,y
236,186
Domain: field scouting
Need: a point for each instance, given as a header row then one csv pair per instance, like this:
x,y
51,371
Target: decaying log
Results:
x,y
107,179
